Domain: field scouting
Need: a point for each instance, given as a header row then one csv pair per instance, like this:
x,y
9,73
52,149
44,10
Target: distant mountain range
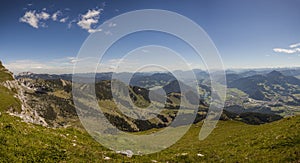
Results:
x,y
268,86
150,77
253,98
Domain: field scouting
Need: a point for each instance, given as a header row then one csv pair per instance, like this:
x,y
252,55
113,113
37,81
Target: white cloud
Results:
x,y
63,20
30,18
91,14
94,30
287,51
43,15
65,65
29,65
54,66
55,15
294,45
43,24
87,20
70,23
86,23
33,19
293,49
72,59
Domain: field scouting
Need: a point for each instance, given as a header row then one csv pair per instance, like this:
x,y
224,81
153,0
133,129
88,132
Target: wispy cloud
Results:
x,y
30,18
43,16
55,15
293,49
71,23
54,66
287,51
86,21
33,18
63,20
294,45
72,59
88,64
90,18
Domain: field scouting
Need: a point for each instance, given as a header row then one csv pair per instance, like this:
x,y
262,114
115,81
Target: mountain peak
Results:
x,y
25,73
274,73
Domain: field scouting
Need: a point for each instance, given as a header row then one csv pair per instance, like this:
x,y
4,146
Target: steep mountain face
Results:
x,y
14,101
51,99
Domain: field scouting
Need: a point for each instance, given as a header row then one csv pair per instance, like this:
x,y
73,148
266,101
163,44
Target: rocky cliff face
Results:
x,y
17,90
28,114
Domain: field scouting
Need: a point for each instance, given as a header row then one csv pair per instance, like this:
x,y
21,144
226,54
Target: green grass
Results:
x,y
4,74
8,101
31,143
231,141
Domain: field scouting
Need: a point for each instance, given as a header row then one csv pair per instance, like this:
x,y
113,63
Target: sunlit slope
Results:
x,y
230,141
7,99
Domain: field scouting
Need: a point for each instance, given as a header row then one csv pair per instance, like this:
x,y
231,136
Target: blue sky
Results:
x,y
248,34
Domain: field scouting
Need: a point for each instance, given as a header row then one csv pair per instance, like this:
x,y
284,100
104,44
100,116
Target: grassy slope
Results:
x,y
230,141
7,99
4,74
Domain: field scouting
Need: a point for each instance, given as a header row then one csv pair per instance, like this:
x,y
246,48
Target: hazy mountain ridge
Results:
x,y
259,86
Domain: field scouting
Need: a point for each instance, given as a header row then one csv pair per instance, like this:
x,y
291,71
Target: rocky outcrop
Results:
x,y
27,113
